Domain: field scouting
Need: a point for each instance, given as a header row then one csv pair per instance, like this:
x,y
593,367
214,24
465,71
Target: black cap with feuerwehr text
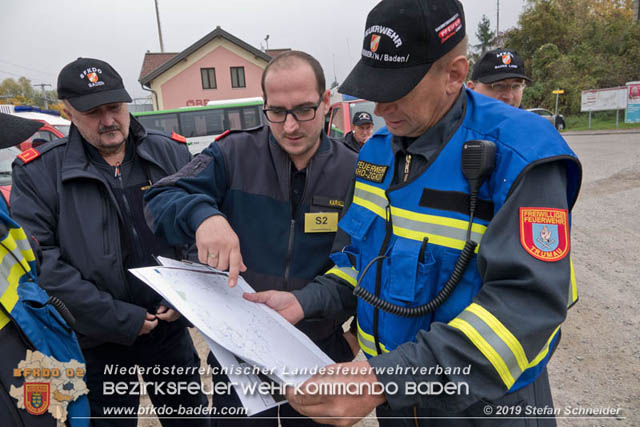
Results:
x,y
402,40
87,83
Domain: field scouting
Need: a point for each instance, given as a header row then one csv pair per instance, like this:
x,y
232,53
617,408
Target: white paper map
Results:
x,y
254,332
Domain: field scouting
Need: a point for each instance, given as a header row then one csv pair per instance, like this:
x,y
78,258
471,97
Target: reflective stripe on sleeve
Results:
x,y
573,287
348,274
12,269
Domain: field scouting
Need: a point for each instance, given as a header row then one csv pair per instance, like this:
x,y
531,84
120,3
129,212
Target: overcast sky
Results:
x,y
40,36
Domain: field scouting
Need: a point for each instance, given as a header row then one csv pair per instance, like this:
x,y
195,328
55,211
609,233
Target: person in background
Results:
x,y
21,327
362,130
81,198
500,74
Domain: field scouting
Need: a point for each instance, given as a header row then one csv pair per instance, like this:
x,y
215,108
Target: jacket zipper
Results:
x,y
125,202
292,226
407,164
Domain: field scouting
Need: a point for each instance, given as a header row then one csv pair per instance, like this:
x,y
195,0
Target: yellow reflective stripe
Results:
x,y
371,189
501,331
545,349
371,198
573,288
369,205
22,241
439,220
433,239
368,344
484,347
348,274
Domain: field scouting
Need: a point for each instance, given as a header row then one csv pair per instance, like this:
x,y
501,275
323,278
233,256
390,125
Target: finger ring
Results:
x,y
213,255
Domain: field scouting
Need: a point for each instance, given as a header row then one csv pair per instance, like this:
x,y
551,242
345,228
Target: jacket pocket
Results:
x,y
411,274
464,291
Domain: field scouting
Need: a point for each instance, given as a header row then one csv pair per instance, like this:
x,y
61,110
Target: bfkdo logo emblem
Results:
x,y
36,397
544,232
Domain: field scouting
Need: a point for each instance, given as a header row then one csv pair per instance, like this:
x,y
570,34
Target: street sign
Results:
x,y
558,92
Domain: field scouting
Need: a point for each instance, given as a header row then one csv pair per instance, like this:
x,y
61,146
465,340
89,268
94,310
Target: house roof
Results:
x,y
218,32
276,52
153,60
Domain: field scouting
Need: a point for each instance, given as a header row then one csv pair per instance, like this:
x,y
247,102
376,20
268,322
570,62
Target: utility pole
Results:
x,y
159,27
498,19
44,94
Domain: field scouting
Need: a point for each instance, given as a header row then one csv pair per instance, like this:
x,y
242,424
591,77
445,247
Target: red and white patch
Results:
x,y
375,42
544,233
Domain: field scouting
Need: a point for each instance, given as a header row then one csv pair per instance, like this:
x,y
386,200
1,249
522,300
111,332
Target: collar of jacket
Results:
x,y
435,137
76,162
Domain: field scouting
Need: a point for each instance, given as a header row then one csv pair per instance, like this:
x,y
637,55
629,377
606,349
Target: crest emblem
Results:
x,y
93,77
375,42
506,58
544,233
37,397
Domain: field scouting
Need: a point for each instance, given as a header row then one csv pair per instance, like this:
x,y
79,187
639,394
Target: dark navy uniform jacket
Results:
x,y
61,199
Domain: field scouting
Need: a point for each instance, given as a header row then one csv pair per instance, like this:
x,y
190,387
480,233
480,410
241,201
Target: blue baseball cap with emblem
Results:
x,y
402,40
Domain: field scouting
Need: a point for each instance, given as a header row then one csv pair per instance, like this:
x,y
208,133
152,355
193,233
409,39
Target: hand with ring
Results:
x,y
218,246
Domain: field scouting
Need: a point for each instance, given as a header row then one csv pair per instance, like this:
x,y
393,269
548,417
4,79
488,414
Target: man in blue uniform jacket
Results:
x,y
455,240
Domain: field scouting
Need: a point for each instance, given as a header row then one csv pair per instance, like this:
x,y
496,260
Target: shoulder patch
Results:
x,y
370,171
29,155
544,233
178,137
222,135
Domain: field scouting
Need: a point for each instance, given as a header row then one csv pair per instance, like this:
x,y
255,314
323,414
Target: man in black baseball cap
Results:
x,y
362,129
410,228
87,83
82,198
500,74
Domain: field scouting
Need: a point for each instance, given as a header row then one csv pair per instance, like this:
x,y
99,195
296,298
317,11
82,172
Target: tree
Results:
x,y
575,45
484,35
21,92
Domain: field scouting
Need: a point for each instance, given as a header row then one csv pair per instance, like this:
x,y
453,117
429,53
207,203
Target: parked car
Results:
x,y
340,114
53,126
7,156
556,119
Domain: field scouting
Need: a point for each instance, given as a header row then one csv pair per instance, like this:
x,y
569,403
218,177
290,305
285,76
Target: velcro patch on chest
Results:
x,y
544,233
371,172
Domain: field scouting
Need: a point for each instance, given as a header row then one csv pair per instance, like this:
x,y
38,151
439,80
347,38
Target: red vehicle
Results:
x,y
338,120
53,127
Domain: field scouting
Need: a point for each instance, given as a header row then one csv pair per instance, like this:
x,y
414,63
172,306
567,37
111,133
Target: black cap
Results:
x,y
499,64
14,129
88,83
361,118
402,40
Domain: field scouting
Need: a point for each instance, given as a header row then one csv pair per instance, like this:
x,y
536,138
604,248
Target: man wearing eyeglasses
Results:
x,y
265,202
500,74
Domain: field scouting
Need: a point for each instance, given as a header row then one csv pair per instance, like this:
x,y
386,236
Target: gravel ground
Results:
x,y
598,360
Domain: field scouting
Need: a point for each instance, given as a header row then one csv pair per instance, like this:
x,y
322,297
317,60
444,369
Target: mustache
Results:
x,y
108,129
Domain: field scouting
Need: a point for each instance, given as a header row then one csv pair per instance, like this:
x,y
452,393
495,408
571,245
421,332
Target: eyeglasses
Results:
x,y
503,87
301,114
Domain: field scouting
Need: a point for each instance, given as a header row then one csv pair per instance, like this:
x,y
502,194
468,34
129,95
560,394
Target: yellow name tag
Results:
x,y
321,222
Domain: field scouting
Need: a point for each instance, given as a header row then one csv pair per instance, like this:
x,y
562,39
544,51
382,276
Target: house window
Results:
x,y
208,78
237,77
